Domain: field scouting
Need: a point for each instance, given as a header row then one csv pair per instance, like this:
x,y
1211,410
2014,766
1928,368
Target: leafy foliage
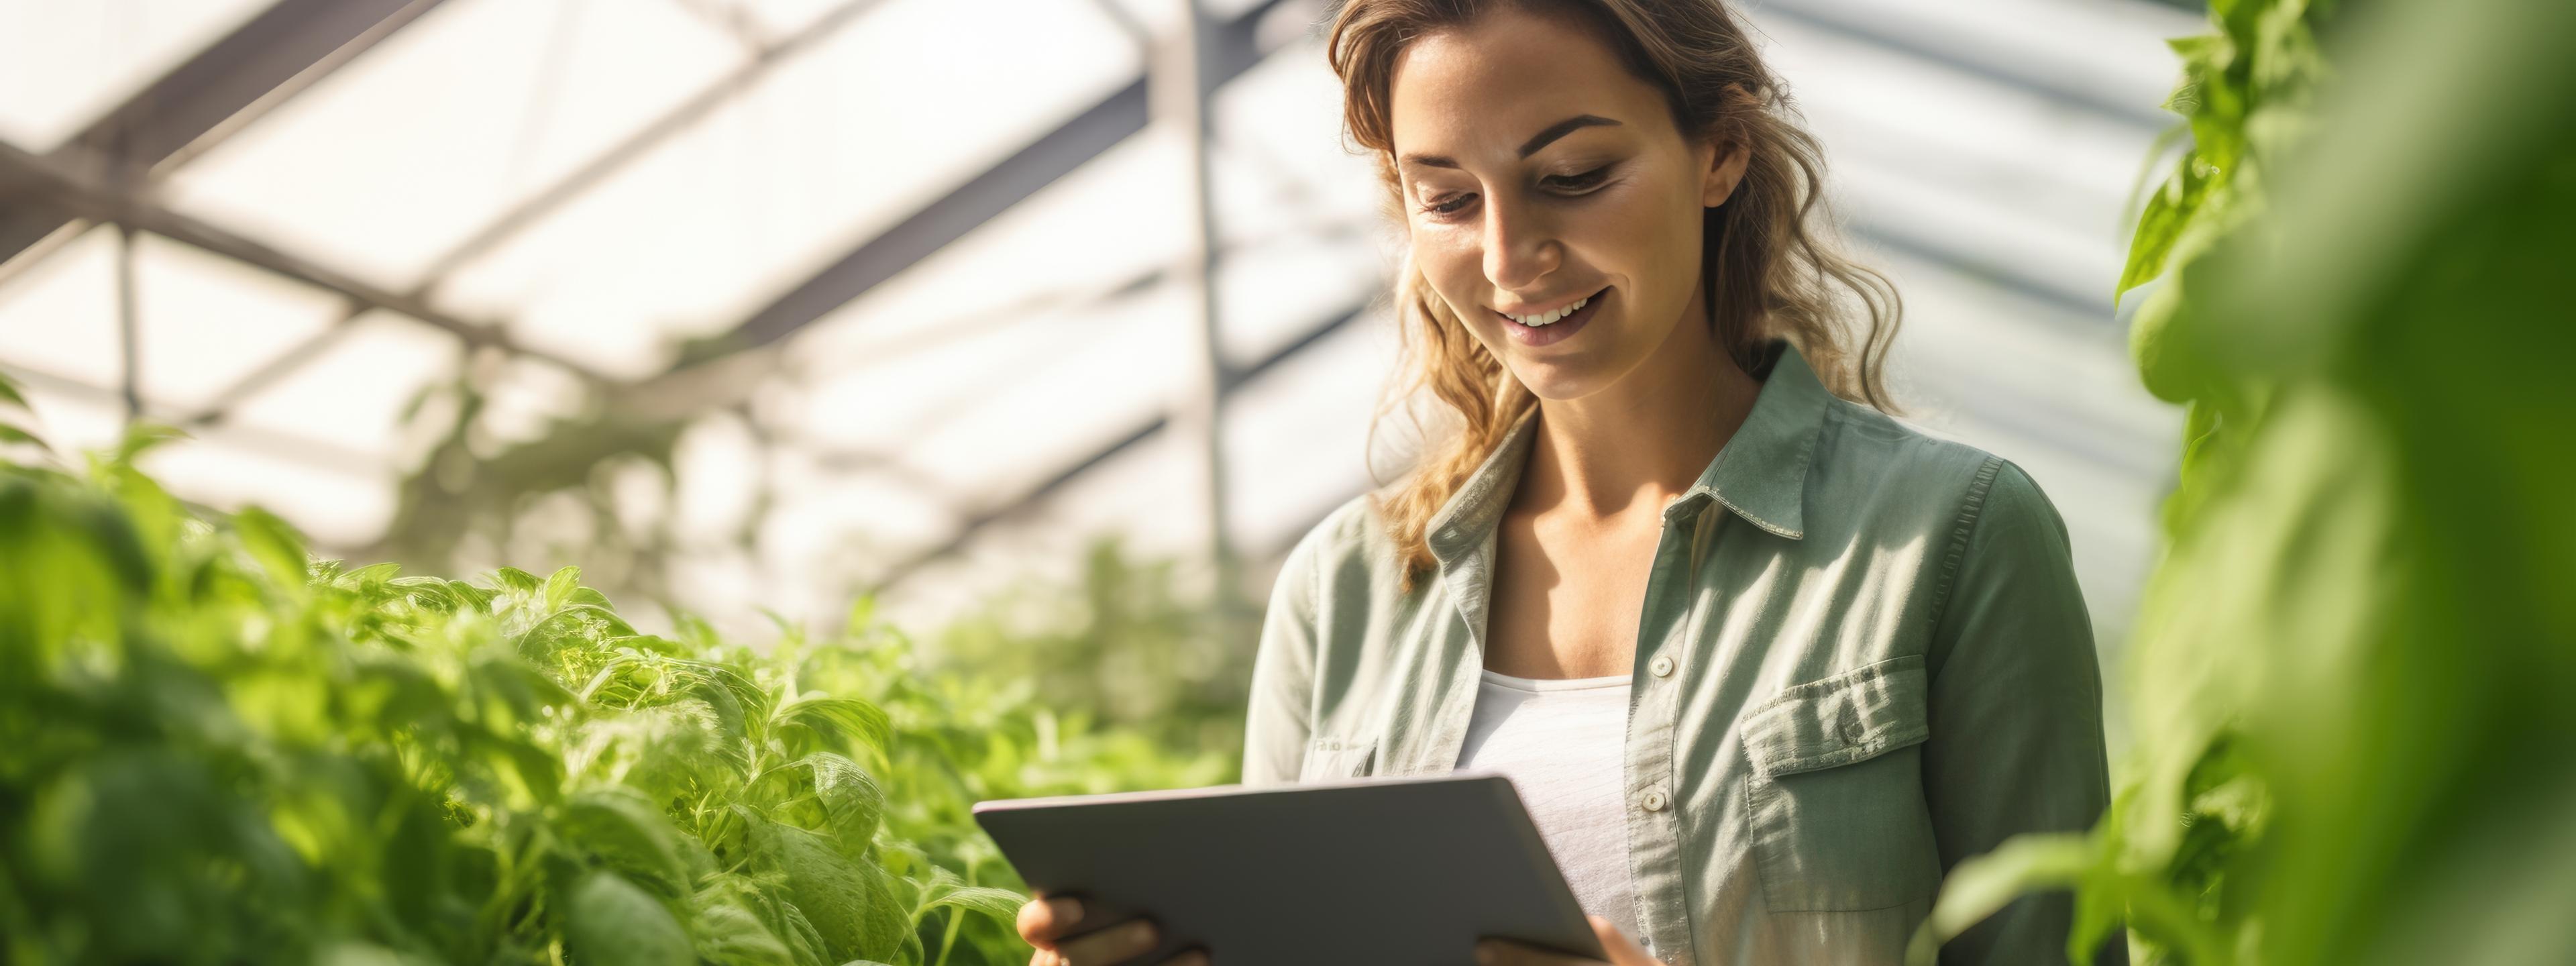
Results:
x,y
1123,647
2351,666
215,749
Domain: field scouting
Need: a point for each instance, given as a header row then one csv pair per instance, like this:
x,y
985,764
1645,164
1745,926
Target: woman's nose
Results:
x,y
1519,249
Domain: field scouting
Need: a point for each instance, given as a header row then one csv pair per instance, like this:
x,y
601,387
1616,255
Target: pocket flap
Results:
x,y
1328,759
1849,717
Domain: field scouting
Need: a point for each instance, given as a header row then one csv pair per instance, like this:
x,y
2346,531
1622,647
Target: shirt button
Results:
x,y
1654,800
1663,666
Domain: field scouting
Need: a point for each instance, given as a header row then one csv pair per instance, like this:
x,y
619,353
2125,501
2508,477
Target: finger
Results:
x,y
1105,947
1504,952
1621,949
1195,957
1042,920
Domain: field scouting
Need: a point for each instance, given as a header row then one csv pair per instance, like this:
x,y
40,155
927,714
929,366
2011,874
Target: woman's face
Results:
x,y
1538,173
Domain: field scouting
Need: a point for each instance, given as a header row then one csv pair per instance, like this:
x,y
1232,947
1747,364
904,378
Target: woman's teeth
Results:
x,y
1550,318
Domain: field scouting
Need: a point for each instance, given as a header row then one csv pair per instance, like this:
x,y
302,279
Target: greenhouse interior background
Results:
x,y
765,304
533,481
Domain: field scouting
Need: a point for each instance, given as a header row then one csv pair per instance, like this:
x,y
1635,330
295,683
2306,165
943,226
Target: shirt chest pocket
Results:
x,y
1333,759
1837,819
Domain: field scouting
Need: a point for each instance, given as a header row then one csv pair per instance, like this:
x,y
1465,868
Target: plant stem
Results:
x,y
949,941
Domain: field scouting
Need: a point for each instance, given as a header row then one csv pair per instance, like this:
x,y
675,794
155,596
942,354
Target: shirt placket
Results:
x,y
1654,816
1437,728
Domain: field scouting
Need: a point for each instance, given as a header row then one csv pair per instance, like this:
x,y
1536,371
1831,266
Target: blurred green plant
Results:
x,y
1125,647
2351,670
214,748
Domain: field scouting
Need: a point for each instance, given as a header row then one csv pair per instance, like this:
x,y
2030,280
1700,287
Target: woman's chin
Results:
x,y
1558,379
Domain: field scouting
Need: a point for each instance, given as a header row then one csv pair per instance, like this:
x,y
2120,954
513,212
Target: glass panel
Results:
x,y
207,321
826,152
337,505
415,145
64,63
352,393
60,315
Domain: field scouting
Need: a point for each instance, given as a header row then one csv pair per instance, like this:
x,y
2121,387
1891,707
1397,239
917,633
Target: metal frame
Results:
x,y
979,521
1231,50
87,191
265,62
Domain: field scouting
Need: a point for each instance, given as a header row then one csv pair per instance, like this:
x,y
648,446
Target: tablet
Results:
x,y
1407,871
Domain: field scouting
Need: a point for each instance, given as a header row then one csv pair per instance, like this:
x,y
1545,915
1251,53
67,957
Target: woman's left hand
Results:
x,y
1622,950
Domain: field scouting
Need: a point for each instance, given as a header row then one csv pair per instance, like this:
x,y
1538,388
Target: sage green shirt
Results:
x,y
1862,657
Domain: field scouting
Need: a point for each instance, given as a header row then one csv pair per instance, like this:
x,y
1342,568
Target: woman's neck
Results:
x,y
1647,437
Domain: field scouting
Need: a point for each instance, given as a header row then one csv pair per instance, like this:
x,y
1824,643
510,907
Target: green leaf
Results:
x,y
143,437
1001,905
621,829
729,935
277,547
12,434
517,580
828,888
560,585
610,920
832,795
369,575
2159,224
889,924
847,726
1979,886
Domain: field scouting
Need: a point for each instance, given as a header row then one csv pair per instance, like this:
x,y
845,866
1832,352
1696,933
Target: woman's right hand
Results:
x,y
1045,923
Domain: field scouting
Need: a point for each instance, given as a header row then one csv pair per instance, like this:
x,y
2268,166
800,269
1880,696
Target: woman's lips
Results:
x,y
1557,331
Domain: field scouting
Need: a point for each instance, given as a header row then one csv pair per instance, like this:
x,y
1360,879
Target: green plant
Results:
x,y
215,749
1124,646
2350,670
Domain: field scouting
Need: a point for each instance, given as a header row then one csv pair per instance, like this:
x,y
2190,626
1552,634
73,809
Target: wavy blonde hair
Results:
x,y
1770,268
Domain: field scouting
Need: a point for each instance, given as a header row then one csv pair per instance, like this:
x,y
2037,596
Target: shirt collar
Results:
x,y
1760,474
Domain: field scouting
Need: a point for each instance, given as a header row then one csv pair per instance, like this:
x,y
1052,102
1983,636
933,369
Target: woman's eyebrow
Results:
x,y
1529,147
1561,129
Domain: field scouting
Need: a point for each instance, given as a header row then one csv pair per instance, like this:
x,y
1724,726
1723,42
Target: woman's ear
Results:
x,y
1733,153
1725,171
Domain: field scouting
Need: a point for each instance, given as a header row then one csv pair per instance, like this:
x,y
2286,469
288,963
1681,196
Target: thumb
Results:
x,y
1504,952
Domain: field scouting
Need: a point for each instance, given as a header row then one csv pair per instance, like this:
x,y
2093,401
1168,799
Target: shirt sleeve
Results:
x,y
2016,712
1279,716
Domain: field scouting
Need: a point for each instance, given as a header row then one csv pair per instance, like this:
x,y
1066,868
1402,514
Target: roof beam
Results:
x,y
268,60
518,218
1135,436
84,191
1232,48
1859,22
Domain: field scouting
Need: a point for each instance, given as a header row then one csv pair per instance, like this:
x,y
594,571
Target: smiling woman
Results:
x,y
1763,663
1569,151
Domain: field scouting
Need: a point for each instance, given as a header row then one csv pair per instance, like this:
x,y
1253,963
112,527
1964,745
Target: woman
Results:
x,y
1762,662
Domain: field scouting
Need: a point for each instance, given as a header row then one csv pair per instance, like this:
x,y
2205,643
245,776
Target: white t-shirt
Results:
x,y
1560,743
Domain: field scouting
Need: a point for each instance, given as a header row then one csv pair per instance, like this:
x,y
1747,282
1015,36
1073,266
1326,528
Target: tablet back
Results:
x,y
1404,871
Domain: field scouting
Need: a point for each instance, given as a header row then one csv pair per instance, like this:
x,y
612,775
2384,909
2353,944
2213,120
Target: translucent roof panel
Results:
x,y
411,148
356,388
209,323
1043,280
65,62
59,316
826,150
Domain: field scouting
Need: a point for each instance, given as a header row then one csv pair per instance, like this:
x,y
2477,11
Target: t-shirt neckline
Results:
x,y
1554,684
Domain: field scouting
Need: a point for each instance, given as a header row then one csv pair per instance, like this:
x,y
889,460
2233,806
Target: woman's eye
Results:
x,y
1448,206
1580,181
